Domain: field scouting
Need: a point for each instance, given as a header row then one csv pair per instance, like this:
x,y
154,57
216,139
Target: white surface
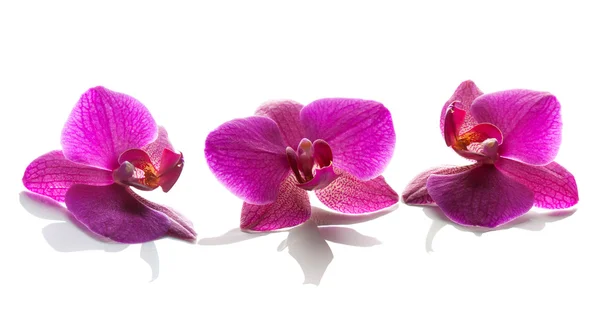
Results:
x,y
197,65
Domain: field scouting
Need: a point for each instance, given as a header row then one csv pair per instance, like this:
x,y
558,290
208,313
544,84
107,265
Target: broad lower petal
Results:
x,y
111,211
52,174
465,94
248,156
291,208
180,227
348,194
286,113
553,186
103,125
416,193
360,132
482,196
529,120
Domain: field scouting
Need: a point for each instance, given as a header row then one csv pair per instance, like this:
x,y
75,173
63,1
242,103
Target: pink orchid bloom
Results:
x,y
336,147
513,136
111,143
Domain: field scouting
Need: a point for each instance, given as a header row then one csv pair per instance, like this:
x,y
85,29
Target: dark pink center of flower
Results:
x,y
137,170
312,164
480,143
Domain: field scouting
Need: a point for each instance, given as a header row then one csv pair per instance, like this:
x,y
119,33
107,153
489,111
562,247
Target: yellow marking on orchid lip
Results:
x,y
464,140
151,178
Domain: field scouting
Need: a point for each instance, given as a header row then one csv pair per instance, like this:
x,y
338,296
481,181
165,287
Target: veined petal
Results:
x,y
286,113
103,125
111,211
248,156
416,193
348,194
291,208
466,92
52,174
180,227
360,132
553,186
156,148
529,120
481,196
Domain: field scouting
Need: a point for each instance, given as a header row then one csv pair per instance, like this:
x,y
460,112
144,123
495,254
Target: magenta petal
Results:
x,y
482,196
291,208
248,156
322,178
360,133
466,92
180,227
554,187
171,166
52,175
348,194
529,120
156,148
286,113
416,193
111,211
103,125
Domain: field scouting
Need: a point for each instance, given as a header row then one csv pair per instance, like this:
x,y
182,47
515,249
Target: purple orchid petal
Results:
x,y
416,193
156,148
321,179
180,227
52,174
286,113
360,133
553,186
103,125
465,94
291,208
111,211
348,194
454,119
248,156
481,196
530,122
171,166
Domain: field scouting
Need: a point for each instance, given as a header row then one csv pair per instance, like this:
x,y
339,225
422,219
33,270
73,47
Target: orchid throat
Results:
x,y
312,164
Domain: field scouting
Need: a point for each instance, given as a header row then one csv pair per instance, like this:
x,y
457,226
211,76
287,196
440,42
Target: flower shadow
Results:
x,y
68,235
308,242
532,221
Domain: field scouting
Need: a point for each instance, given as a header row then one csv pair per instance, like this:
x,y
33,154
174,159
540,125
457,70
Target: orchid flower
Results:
x,y
111,143
334,147
513,136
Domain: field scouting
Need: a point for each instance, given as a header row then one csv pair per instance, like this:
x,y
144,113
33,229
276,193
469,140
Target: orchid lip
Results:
x,y
136,170
312,164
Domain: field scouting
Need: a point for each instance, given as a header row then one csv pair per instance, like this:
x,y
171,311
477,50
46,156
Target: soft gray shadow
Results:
x,y
149,254
307,243
532,221
69,235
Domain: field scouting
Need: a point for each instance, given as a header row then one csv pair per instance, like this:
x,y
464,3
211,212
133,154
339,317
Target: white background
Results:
x,y
196,65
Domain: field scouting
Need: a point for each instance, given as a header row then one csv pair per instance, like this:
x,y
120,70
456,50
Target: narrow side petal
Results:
x,y
465,94
111,211
481,196
416,193
348,194
52,174
553,186
286,113
530,122
291,208
248,156
360,132
180,227
103,125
